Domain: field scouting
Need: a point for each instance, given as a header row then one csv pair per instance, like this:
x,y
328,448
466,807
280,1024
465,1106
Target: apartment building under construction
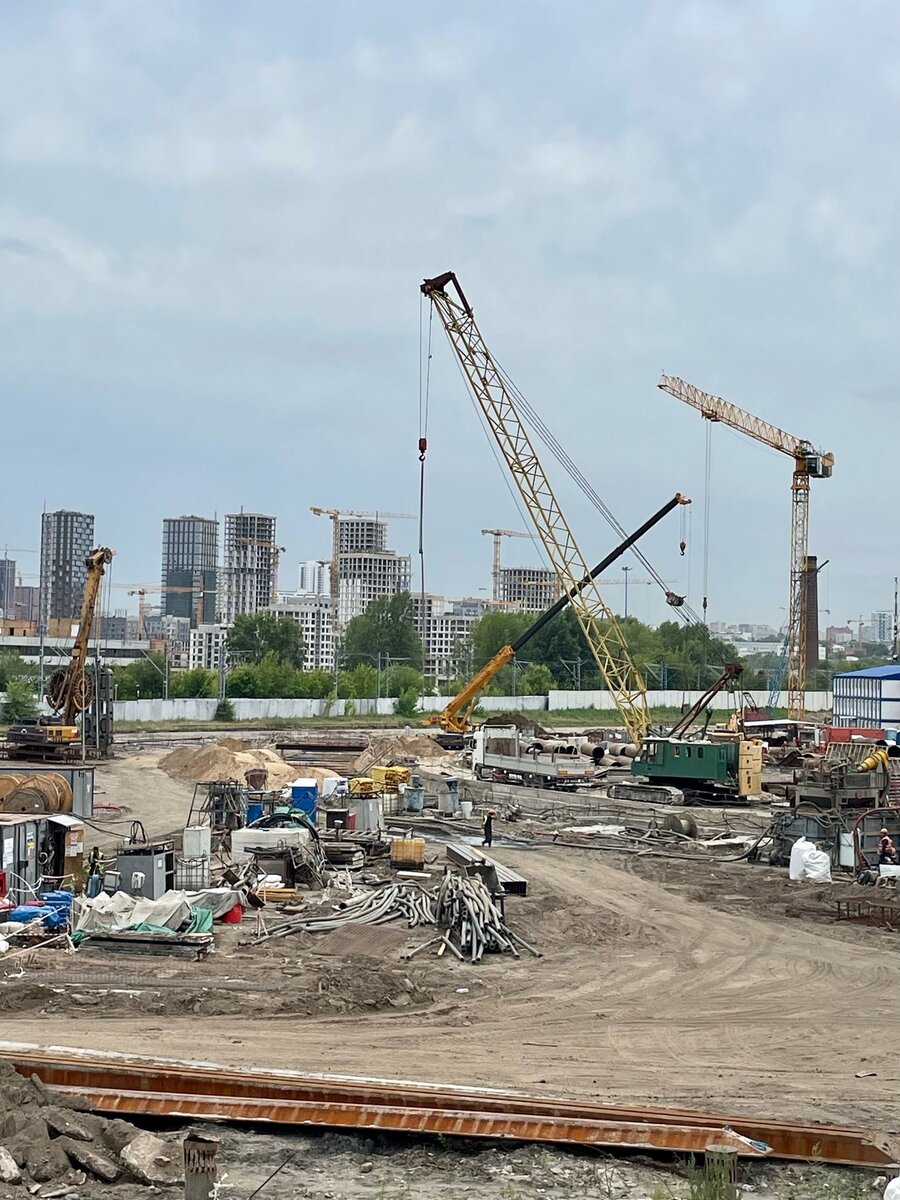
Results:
x,y
249,565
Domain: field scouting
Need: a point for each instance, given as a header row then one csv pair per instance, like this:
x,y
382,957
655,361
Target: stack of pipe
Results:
x,y
395,900
466,911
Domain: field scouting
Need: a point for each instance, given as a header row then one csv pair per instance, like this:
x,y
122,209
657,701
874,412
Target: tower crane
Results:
x,y
498,535
335,514
597,620
808,464
141,590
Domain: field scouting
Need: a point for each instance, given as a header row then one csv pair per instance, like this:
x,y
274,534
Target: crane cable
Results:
x,y
706,489
424,397
688,615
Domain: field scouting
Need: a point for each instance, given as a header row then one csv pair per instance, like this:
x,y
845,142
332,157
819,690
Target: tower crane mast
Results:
x,y
808,464
598,622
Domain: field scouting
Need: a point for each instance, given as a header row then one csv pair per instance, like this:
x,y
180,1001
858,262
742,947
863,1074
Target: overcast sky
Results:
x,y
214,218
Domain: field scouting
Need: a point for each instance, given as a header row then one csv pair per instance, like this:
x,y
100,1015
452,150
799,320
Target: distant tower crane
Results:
x,y
497,535
142,590
808,464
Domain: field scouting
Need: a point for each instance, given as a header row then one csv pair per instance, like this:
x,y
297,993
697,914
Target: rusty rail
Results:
x,y
119,1084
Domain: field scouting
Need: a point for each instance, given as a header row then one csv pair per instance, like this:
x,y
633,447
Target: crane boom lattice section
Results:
x,y
598,622
714,408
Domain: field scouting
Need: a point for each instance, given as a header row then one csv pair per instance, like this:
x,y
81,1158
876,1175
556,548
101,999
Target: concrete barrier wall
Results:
x,y
263,710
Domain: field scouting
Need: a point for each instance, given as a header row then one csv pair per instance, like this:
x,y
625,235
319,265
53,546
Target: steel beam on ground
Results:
x,y
464,855
186,1088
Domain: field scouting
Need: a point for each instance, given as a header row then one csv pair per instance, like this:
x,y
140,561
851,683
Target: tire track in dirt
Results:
x,y
643,995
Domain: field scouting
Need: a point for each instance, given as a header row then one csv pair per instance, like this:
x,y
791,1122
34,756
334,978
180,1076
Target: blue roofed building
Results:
x,y
870,697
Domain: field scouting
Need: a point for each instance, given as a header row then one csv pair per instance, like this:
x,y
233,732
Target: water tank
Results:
x,y
197,841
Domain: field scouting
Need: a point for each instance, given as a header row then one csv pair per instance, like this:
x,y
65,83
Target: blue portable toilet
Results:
x,y
305,797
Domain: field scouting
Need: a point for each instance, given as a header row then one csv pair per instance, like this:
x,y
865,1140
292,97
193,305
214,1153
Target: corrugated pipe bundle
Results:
x,y
466,909
388,903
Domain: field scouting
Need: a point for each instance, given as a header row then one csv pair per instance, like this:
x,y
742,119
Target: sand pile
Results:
x,y
384,751
231,758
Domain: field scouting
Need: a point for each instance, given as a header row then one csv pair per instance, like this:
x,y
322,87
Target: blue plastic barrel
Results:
x,y
305,797
254,812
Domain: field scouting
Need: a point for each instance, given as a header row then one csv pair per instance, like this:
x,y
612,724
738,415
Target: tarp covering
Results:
x,y
173,911
106,914
218,900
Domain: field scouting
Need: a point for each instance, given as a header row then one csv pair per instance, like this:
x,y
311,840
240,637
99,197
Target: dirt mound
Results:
x,y
231,759
520,720
383,751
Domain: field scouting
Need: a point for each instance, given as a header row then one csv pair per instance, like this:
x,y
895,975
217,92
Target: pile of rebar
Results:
x,y
469,921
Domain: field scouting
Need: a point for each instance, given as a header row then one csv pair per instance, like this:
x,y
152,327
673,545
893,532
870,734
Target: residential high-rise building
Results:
x,y
445,627
189,568
67,539
530,589
27,603
313,614
367,569
8,587
313,578
249,566
882,627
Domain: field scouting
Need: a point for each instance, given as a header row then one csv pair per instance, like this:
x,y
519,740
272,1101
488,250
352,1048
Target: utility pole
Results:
x,y
896,654
626,570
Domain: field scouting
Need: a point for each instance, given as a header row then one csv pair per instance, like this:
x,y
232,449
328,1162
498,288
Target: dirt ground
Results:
x,y
721,986
133,788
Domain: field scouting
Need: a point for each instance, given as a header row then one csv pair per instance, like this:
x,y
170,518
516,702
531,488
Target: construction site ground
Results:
x,y
668,982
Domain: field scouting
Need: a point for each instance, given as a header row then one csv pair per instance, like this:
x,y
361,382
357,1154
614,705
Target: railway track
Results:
x,y
140,1086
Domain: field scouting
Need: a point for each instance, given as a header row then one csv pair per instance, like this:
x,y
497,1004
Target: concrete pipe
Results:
x,y
628,750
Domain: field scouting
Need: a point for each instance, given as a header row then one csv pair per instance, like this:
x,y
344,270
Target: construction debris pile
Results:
x,y
469,920
48,1142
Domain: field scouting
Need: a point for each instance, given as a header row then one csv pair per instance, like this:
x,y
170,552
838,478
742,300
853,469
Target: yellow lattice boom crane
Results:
x,y
809,463
496,400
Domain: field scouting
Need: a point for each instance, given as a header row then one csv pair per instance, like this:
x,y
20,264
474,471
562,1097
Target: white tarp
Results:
x,y
105,914
218,900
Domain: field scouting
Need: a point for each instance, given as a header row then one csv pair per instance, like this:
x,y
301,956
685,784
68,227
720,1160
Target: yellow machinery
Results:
x,y
70,689
598,622
456,716
808,464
